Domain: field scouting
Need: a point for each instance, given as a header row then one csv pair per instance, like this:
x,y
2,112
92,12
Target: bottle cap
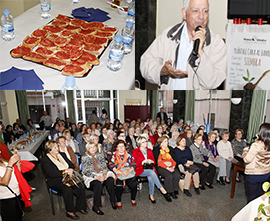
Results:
x,y
70,81
129,24
118,38
6,12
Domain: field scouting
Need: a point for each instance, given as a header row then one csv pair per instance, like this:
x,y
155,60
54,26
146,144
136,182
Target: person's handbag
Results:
x,y
193,169
148,166
75,179
130,175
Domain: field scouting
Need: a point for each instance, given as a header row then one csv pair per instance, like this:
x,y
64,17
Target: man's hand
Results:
x,y
167,69
200,35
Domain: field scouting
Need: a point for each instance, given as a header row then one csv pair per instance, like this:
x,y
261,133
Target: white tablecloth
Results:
x,y
28,152
250,211
100,78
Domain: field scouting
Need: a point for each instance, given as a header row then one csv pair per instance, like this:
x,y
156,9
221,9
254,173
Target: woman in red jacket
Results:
x,y
144,156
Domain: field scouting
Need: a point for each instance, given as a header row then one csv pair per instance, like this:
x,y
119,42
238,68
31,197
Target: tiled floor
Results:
x,y
213,204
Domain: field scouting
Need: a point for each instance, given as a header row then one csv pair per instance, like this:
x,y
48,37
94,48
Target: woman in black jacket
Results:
x,y
55,165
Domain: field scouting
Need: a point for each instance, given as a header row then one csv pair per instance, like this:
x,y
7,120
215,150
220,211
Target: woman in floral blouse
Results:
x,y
122,159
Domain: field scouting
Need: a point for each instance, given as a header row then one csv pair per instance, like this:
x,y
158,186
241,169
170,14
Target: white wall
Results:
x,y
220,107
10,111
17,7
131,94
169,13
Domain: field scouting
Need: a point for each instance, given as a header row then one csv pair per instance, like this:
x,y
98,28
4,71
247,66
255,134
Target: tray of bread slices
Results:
x,y
70,45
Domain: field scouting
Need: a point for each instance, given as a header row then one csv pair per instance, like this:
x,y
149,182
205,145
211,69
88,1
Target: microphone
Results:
x,y
196,43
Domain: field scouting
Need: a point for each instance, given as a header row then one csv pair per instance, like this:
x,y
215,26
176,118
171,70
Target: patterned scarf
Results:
x,y
96,164
121,163
165,155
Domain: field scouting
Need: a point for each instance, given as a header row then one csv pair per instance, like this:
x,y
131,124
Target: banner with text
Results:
x,y
248,51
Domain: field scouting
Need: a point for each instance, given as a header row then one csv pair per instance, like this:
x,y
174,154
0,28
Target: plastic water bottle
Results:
x,y
131,12
7,22
128,36
116,54
45,8
70,84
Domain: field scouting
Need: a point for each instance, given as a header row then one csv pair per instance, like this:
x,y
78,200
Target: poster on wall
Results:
x,y
248,52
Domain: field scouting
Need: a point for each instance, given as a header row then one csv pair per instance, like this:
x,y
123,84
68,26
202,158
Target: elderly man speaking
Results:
x,y
188,56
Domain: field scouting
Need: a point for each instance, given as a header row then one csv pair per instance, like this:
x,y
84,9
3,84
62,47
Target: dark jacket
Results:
x,y
53,175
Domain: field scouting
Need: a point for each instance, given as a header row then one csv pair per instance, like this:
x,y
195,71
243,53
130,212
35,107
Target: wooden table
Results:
x,y
239,166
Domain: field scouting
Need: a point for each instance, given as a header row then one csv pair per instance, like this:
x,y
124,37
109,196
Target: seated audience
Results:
x,y
55,130
30,125
189,137
108,143
218,138
186,165
70,142
149,142
158,134
131,137
94,138
144,156
137,133
96,175
86,139
60,133
79,135
166,166
17,131
63,148
208,170
8,135
18,121
103,134
122,164
56,164
225,151
74,130
214,158
172,141
238,145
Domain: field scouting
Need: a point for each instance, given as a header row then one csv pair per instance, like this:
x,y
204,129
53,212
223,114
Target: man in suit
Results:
x,y
162,115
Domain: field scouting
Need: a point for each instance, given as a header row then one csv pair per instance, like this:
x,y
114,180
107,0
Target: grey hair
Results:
x,y
186,3
175,132
110,131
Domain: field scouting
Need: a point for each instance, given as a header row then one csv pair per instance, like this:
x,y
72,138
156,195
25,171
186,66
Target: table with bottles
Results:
x,y
28,144
100,77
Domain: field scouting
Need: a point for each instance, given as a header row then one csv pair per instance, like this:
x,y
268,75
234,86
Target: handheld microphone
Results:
x,y
196,43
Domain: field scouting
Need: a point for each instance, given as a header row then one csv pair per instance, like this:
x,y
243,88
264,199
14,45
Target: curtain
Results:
x,y
257,111
154,104
22,105
190,105
70,106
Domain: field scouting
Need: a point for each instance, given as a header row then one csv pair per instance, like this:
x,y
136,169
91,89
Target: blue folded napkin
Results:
x,y
18,79
90,14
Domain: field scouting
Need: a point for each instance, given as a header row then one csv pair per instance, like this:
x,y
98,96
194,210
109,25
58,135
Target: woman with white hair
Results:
x,y
172,141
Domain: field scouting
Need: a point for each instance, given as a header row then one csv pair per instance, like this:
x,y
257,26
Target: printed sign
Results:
x,y
248,51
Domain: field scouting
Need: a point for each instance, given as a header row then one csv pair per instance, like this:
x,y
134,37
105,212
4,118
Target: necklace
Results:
x,y
55,157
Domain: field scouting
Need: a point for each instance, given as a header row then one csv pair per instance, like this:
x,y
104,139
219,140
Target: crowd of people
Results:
x,y
115,154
